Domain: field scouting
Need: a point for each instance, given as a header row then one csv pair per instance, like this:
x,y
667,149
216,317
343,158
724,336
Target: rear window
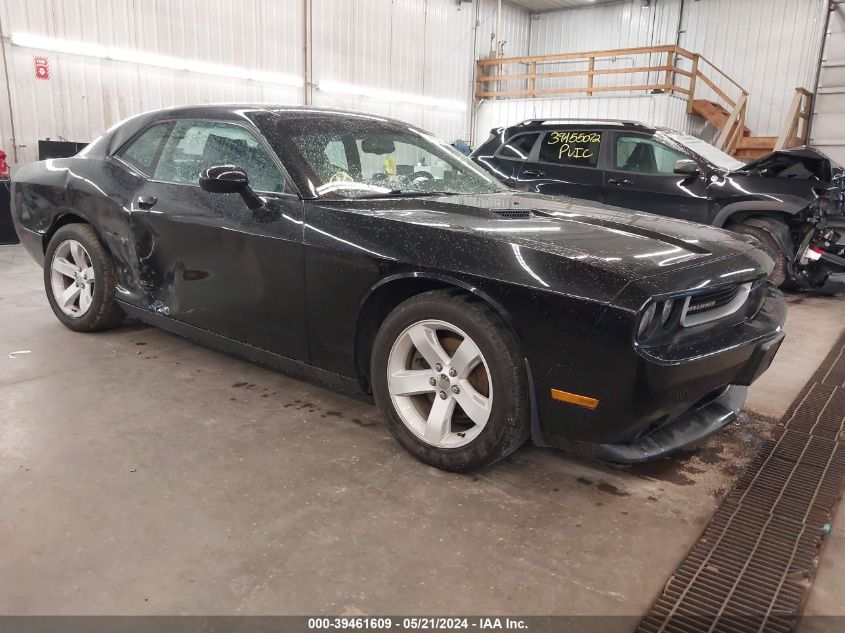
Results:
x,y
519,147
579,148
144,150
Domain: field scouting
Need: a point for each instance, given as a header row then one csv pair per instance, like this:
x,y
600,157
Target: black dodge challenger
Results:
x,y
366,253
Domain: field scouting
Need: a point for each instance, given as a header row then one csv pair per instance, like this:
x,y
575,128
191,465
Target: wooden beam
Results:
x,y
670,64
591,69
581,73
716,89
692,77
788,130
553,91
727,135
532,82
616,52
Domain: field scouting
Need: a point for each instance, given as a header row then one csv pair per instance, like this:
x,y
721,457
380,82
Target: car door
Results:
x,y
641,176
205,258
565,162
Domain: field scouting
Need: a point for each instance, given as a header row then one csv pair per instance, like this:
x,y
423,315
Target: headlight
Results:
x,y
667,311
658,319
646,319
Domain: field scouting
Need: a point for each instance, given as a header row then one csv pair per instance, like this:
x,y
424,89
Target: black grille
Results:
x,y
712,300
514,213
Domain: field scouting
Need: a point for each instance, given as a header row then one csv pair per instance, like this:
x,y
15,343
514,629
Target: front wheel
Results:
x,y
79,278
781,271
448,377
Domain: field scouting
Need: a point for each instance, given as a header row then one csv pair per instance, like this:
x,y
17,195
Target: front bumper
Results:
x,y
662,400
687,429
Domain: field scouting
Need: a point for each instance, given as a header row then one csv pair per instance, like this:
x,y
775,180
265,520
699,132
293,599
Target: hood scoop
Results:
x,y
514,214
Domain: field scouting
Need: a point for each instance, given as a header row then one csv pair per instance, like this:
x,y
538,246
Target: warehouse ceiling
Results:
x,y
551,5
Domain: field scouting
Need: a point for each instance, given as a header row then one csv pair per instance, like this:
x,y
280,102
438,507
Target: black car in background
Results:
x,y
372,256
631,165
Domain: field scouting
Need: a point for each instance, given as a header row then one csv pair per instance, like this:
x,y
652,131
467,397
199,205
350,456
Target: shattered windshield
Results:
x,y
350,158
707,151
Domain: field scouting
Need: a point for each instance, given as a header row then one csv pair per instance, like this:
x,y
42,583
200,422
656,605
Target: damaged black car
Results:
x,y
369,255
790,200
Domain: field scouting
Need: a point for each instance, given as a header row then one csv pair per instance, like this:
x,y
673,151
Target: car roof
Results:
x,y
604,124
115,137
238,108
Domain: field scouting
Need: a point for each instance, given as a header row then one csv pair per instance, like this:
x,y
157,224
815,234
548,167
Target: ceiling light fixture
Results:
x,y
390,95
89,49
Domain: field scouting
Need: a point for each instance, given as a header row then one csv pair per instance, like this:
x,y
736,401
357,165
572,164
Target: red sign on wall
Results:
x,y
42,67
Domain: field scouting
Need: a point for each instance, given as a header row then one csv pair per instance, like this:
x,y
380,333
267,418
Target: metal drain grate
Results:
x,y
752,568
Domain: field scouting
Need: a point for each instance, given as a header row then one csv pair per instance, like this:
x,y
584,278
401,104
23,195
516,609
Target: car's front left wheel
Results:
x,y
450,381
79,278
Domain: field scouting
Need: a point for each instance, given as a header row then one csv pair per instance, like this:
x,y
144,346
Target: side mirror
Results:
x,y
229,179
687,167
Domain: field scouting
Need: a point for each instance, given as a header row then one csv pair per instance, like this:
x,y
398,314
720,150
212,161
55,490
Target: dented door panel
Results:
x,y
210,262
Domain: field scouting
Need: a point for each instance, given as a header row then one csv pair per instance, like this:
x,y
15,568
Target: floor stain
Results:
x,y
612,490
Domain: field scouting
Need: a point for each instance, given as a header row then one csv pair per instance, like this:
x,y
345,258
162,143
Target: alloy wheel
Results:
x,y
72,278
439,383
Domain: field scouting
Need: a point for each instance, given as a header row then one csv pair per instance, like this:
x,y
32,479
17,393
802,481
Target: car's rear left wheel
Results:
x,y
79,278
449,379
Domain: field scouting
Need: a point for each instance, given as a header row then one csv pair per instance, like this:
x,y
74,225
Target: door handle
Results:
x,y
146,202
533,173
620,181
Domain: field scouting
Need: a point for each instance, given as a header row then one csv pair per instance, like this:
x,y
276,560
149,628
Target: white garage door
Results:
x,y
828,129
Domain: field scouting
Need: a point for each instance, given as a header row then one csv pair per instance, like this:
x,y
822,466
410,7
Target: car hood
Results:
x,y
636,245
795,153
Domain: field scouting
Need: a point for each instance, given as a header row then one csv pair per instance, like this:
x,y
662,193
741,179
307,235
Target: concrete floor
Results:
x,y
142,474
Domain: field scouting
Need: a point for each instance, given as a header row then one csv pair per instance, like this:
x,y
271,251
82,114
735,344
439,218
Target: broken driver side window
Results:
x,y
197,145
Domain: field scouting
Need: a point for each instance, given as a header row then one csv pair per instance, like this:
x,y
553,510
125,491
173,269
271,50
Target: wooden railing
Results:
x,y
734,129
667,68
797,127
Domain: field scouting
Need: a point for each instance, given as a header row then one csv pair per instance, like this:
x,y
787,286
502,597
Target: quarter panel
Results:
x,y
98,191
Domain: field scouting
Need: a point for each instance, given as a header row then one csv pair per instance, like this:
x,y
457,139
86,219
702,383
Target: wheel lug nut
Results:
x,y
455,389
453,372
438,367
432,381
443,395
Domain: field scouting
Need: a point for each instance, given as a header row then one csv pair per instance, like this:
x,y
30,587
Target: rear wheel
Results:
x,y
80,280
780,272
449,379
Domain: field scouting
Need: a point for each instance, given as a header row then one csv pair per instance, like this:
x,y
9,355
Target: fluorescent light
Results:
x,y
60,46
89,49
389,95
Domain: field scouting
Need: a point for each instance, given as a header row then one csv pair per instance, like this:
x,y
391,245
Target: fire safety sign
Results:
x,y
42,67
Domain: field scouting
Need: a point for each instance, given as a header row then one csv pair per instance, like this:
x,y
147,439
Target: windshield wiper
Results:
x,y
403,193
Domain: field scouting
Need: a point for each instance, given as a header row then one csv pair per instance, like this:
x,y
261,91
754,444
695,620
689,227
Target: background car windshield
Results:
x,y
707,151
353,159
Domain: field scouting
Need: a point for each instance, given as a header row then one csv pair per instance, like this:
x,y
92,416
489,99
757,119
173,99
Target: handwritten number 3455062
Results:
x,y
570,141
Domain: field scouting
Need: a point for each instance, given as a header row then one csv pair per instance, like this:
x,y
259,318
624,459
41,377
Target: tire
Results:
x,y
487,418
780,272
89,271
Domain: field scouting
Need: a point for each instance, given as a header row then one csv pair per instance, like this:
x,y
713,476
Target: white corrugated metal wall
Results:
x,y
768,46
419,47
